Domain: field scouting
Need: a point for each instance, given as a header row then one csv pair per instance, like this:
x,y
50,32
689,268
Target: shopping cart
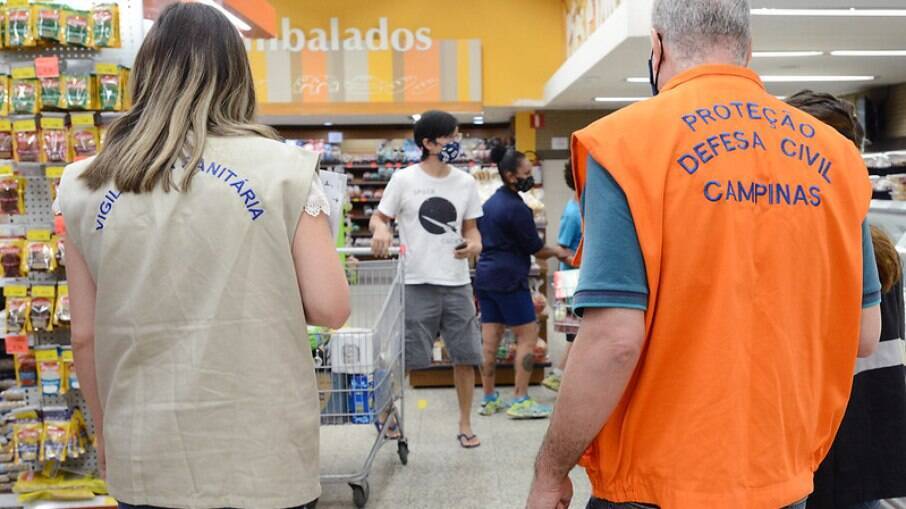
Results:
x,y
565,283
360,368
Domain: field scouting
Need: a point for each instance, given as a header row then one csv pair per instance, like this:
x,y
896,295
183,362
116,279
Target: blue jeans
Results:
x,y
596,503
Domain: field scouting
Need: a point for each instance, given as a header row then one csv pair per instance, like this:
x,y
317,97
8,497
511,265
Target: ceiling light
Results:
x,y
869,53
416,117
829,12
241,25
328,124
792,78
786,54
619,99
816,79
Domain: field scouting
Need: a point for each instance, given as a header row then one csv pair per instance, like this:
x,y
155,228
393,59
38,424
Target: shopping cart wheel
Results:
x,y
360,494
402,448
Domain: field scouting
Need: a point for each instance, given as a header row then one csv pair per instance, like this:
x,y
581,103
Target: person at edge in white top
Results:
x,y
197,250
436,206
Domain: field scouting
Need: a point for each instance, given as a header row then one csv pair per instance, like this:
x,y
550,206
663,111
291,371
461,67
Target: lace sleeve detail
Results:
x,y
317,203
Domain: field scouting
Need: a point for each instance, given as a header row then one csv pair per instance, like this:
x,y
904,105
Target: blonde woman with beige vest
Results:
x,y
198,250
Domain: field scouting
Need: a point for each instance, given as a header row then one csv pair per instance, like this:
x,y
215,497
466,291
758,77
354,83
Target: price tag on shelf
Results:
x,y
53,123
67,355
54,172
6,170
25,125
24,72
47,67
17,3
106,69
46,354
82,119
5,124
39,235
15,291
16,344
47,292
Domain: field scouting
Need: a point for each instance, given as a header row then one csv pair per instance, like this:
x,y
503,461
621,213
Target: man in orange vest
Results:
x,y
727,286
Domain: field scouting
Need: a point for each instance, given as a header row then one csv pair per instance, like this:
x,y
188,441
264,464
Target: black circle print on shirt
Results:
x,y
437,216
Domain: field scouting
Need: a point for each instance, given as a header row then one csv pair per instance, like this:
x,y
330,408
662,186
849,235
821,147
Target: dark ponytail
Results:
x,y
506,158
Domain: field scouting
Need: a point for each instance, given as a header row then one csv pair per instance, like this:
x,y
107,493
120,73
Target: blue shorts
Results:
x,y
509,308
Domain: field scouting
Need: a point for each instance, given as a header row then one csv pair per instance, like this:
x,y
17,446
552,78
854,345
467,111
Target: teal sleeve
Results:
x,y
871,282
613,270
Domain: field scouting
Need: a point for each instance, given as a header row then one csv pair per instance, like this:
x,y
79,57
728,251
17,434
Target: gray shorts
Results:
x,y
449,311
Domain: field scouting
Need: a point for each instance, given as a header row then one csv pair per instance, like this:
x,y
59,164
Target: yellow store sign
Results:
x,y
382,56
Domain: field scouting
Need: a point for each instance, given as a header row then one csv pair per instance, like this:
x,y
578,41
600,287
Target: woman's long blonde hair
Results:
x,y
191,79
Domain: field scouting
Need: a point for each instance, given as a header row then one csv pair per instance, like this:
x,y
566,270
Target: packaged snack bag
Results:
x,y
85,136
40,315
4,94
61,312
77,27
26,370
25,96
49,22
20,26
52,93
78,91
26,146
54,140
105,25
11,257
17,309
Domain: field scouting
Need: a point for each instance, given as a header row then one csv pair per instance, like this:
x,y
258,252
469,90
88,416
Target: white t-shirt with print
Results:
x,y
430,212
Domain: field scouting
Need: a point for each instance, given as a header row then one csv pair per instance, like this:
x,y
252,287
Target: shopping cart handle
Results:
x,y
366,251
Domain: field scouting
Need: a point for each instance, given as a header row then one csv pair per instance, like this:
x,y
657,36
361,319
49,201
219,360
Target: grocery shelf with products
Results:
x,y
63,74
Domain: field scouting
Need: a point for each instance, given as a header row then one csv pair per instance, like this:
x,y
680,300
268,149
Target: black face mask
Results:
x,y
525,185
652,76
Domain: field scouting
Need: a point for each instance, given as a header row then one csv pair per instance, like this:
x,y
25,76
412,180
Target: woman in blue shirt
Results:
x,y
510,238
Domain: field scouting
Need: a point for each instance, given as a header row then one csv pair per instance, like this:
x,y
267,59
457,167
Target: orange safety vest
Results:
x,y
749,215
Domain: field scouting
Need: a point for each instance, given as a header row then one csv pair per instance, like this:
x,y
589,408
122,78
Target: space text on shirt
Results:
x,y
794,146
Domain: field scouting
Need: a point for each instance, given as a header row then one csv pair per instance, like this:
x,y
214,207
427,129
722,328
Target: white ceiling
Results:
x,y
621,48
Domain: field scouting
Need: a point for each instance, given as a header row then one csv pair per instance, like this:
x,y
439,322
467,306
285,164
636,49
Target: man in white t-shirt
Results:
x,y
436,206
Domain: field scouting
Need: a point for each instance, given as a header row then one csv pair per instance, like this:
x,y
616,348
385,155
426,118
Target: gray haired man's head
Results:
x,y
695,30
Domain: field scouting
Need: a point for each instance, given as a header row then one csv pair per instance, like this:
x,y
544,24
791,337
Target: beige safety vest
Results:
x,y
203,362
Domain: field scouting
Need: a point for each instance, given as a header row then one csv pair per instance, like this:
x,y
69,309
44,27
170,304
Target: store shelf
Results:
x,y
96,502
441,375
353,217
365,201
362,182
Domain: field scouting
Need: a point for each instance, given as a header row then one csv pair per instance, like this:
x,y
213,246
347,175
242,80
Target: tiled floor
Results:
x,y
440,474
